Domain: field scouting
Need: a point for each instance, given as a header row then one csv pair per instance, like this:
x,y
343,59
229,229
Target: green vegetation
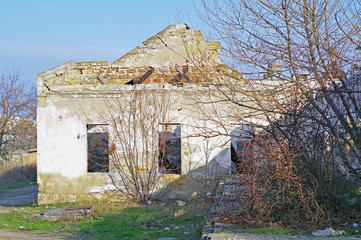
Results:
x,y
24,221
269,230
113,221
144,223
264,230
351,231
17,185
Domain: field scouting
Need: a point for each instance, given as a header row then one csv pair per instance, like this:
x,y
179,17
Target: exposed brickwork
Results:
x,y
176,55
94,73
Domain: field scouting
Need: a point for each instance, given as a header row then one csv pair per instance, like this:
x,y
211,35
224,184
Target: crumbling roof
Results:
x,y
176,55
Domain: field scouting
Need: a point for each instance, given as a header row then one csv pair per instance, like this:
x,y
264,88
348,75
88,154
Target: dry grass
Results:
x,y
14,174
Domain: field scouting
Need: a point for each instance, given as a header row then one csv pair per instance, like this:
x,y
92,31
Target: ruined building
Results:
x,y
73,114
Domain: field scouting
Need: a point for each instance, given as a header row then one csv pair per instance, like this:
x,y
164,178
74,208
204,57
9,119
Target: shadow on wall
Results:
x,y
200,181
202,176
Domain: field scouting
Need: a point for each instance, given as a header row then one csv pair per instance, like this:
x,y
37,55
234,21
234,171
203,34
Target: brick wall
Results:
x,y
100,72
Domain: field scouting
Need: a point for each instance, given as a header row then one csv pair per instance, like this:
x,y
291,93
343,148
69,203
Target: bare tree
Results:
x,y
136,140
315,43
17,101
300,59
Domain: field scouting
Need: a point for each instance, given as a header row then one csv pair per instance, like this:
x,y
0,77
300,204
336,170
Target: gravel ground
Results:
x,y
5,235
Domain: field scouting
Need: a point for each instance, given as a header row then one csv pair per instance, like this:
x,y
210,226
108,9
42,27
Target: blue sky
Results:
x,y
40,34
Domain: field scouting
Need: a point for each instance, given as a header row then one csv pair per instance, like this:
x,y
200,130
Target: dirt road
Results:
x,y
19,196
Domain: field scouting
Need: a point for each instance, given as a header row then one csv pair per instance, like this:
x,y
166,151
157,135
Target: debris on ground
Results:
x,y
181,203
327,232
65,213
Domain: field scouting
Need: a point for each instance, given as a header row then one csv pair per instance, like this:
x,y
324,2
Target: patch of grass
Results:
x,y
269,230
23,220
145,223
17,185
113,221
351,231
264,230
66,204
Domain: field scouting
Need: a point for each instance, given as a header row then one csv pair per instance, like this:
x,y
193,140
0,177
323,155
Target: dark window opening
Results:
x,y
169,160
98,148
241,149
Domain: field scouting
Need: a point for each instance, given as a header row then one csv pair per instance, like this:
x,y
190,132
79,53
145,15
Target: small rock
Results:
x,y
5,224
181,203
194,195
167,228
176,227
355,225
21,227
149,202
327,232
187,233
342,232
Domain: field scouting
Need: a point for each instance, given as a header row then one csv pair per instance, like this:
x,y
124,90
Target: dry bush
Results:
x,y
274,190
14,174
17,109
135,141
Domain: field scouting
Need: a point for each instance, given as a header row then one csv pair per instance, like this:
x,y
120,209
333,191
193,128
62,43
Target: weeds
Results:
x,y
17,185
114,221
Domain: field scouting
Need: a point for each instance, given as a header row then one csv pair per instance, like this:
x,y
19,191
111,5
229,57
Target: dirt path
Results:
x,y
19,196
5,235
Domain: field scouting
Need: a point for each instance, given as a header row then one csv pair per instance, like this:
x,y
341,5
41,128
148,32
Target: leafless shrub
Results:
x,y
299,59
275,190
135,144
17,104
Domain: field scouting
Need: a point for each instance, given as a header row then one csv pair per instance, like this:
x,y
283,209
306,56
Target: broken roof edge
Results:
x,y
174,44
56,69
114,90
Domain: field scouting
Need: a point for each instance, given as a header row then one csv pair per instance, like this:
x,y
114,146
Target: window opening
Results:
x,y
169,160
98,148
241,148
